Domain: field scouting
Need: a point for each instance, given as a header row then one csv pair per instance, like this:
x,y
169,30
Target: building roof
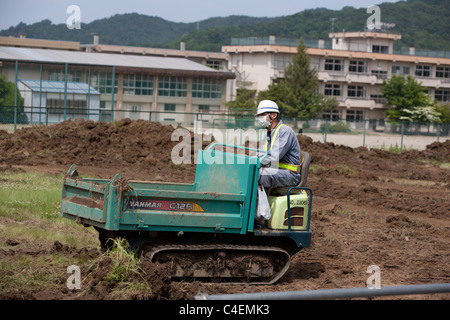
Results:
x,y
366,34
39,43
161,65
59,87
106,48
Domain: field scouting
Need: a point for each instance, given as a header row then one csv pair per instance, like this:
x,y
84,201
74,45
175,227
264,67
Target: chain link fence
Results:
x,y
380,134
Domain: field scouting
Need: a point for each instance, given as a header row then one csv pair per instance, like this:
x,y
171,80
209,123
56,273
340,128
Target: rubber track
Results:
x,y
234,248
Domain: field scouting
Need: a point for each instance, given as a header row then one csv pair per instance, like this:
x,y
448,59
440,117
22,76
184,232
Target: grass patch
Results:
x,y
124,261
23,195
393,148
31,202
433,163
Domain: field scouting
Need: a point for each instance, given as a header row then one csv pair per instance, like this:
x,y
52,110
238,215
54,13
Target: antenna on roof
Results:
x,y
332,25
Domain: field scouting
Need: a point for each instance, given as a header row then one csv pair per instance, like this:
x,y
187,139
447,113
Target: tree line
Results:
x,y
422,24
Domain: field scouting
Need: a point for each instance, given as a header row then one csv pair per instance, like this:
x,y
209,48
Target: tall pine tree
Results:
x,y
297,95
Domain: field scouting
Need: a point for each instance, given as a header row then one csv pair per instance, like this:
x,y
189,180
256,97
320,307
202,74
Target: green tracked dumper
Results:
x,y
203,230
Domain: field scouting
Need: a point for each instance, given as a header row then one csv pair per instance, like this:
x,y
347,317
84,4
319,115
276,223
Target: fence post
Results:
x,y
65,90
40,94
15,97
88,107
326,131
438,131
112,94
364,136
403,130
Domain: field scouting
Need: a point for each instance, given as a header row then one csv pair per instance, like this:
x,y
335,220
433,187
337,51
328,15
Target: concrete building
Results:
x,y
350,68
156,86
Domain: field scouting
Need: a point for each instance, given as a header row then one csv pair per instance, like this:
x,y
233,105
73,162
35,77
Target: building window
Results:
x,y
203,108
378,98
357,66
169,107
400,70
442,95
70,104
333,115
214,64
172,87
314,63
380,49
281,61
333,90
356,91
138,85
60,75
442,72
206,89
334,65
380,74
355,115
423,71
102,82
135,112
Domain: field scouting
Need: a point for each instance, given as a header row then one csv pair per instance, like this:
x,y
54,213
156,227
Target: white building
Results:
x,y
351,68
52,101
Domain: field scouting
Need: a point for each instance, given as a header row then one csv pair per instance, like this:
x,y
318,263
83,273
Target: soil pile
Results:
x,y
140,145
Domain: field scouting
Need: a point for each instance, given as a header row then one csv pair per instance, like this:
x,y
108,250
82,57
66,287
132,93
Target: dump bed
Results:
x,y
222,198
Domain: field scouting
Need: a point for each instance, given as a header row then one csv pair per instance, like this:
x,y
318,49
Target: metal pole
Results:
x,y
403,130
112,95
438,131
65,91
333,293
89,94
364,138
15,97
40,93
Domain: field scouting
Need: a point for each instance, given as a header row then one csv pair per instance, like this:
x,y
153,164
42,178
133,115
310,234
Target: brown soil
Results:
x,y
371,207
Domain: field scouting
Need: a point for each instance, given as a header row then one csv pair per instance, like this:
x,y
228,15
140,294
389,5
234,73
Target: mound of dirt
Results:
x,y
140,144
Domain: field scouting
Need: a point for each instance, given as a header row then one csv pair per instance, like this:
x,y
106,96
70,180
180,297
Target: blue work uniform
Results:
x,y
282,150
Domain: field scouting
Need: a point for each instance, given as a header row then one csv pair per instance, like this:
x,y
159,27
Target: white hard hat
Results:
x,y
267,106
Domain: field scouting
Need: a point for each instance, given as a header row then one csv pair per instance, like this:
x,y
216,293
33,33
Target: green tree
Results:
x,y
407,100
444,111
245,100
297,94
7,89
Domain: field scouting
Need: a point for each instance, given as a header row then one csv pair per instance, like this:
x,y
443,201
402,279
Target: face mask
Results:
x,y
262,120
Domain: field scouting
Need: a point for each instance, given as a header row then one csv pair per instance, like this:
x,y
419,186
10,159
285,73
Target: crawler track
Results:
x,y
222,263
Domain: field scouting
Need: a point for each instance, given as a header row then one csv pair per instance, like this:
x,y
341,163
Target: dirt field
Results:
x,y
370,208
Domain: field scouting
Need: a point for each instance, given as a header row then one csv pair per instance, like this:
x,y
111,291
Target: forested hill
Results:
x,y
422,24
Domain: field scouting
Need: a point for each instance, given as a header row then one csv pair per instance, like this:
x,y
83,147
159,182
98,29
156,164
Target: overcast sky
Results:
x,y
12,12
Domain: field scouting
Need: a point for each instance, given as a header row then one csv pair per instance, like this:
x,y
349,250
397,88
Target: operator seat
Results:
x,y
304,176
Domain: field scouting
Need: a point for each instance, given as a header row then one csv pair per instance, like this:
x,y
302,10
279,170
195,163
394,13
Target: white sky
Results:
x,y
12,12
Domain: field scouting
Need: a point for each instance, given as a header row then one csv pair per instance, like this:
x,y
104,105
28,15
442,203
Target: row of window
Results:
x,y
352,91
71,104
143,85
361,67
352,115
356,91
